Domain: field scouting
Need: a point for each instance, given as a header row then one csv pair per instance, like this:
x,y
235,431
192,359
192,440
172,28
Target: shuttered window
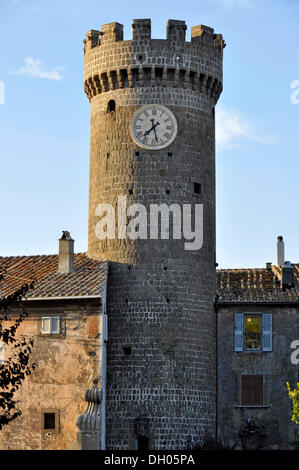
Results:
x,y
253,332
252,390
50,325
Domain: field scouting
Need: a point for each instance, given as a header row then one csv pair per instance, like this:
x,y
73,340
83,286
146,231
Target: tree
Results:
x,y
294,396
14,370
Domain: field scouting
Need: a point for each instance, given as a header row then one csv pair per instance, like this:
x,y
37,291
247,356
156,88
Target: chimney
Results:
x,y
287,276
280,251
66,253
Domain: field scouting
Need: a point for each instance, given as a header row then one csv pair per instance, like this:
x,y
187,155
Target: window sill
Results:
x,y
246,351
51,335
253,406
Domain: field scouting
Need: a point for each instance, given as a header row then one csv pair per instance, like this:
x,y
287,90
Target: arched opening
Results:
x,y
111,106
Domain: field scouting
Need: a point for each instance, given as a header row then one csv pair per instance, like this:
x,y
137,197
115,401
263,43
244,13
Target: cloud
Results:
x,y
26,6
35,68
232,129
247,4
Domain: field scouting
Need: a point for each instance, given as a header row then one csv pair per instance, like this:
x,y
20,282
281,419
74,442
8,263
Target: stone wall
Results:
x,y
66,366
275,366
162,336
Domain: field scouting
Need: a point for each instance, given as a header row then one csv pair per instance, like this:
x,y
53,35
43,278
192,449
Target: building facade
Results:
x,y
258,321
176,353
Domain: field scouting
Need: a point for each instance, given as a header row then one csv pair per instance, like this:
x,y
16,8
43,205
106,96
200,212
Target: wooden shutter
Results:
x,y
252,390
55,325
46,325
239,335
105,328
2,352
267,332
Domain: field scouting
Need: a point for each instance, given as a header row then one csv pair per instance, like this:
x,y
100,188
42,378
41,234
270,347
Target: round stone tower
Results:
x,y
161,382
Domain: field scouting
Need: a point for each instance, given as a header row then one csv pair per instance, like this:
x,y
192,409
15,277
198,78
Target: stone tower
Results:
x,y
161,383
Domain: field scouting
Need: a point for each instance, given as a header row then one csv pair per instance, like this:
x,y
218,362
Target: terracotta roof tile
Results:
x,y
255,285
87,280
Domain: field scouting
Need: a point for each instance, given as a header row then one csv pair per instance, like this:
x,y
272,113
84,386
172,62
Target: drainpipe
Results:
x,y
104,336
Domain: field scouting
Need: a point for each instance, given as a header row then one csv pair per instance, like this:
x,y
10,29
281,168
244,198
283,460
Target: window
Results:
x,y
253,332
197,188
50,421
252,390
2,352
111,106
50,325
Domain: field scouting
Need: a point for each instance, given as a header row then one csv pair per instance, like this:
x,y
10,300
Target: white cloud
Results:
x,y
35,68
232,129
247,4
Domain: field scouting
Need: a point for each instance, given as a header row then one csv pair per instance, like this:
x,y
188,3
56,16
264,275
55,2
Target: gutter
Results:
x,y
289,303
103,371
73,297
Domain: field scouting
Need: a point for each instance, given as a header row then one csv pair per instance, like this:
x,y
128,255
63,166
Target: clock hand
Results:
x,y
153,128
155,133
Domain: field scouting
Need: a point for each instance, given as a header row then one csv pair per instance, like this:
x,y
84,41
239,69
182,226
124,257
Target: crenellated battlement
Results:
x,y
141,30
112,63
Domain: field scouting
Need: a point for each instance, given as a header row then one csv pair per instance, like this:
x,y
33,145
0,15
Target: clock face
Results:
x,y
153,127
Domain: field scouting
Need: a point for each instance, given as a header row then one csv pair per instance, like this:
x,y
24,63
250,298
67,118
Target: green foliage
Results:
x,y
294,396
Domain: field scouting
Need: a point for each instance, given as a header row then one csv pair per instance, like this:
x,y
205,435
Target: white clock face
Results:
x,y
153,127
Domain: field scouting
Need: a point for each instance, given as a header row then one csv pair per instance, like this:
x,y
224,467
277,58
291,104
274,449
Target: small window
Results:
x,y
127,350
197,188
253,332
2,352
50,325
252,390
111,106
50,421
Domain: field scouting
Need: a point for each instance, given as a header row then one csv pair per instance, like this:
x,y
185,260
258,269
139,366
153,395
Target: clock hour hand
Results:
x,y
153,128
156,132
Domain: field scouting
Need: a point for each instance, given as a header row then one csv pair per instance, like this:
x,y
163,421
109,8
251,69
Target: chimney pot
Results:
x,y
287,276
280,251
66,253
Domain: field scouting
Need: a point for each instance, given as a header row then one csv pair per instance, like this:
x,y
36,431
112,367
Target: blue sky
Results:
x,y
44,123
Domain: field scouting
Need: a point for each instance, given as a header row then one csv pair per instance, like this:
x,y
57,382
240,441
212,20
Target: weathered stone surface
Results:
x,y
276,368
65,369
160,296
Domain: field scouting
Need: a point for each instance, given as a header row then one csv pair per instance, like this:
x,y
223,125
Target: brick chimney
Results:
x,y
287,276
66,253
280,251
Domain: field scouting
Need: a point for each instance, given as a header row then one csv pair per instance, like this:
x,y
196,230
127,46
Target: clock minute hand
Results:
x,y
153,128
156,137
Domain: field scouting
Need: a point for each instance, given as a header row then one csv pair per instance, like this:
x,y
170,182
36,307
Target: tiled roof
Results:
x,y
255,285
88,279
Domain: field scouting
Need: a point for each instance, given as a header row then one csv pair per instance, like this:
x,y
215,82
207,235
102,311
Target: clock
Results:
x,y
153,127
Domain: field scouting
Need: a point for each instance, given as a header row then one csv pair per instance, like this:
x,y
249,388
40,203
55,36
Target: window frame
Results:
x,y
54,411
266,332
252,402
51,331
